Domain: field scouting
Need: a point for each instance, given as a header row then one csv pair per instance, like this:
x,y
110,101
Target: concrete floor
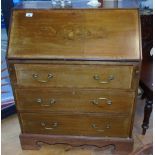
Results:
x,y
11,144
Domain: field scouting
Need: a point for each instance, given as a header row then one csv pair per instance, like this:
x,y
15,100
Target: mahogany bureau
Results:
x,y
75,74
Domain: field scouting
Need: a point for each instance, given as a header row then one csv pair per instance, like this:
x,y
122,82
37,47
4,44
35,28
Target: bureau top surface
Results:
x,y
80,34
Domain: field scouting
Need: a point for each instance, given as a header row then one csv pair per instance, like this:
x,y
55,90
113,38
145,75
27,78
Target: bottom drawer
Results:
x,y
80,125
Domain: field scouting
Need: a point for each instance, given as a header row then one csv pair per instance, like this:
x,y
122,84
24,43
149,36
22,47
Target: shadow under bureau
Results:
x,y
75,74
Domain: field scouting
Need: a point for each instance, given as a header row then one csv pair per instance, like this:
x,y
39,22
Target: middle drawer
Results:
x,y
75,100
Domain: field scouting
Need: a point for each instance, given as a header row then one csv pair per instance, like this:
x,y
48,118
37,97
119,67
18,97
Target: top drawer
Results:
x,y
80,76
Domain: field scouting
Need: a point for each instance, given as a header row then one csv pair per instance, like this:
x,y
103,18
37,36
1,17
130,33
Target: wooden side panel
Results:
x,y
80,125
75,34
79,76
75,100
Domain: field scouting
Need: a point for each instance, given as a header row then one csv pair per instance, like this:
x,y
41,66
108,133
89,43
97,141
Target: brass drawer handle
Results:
x,y
52,101
97,77
36,76
53,126
94,126
97,101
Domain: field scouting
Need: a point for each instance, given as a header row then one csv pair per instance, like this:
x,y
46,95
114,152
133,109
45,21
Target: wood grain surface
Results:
x,y
101,34
79,76
118,146
79,125
75,100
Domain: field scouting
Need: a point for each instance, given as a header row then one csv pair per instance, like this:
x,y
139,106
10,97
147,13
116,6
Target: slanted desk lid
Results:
x,y
80,34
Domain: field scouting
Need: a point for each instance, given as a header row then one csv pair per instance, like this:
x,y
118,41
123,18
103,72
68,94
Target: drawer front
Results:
x,y
75,100
82,125
87,76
